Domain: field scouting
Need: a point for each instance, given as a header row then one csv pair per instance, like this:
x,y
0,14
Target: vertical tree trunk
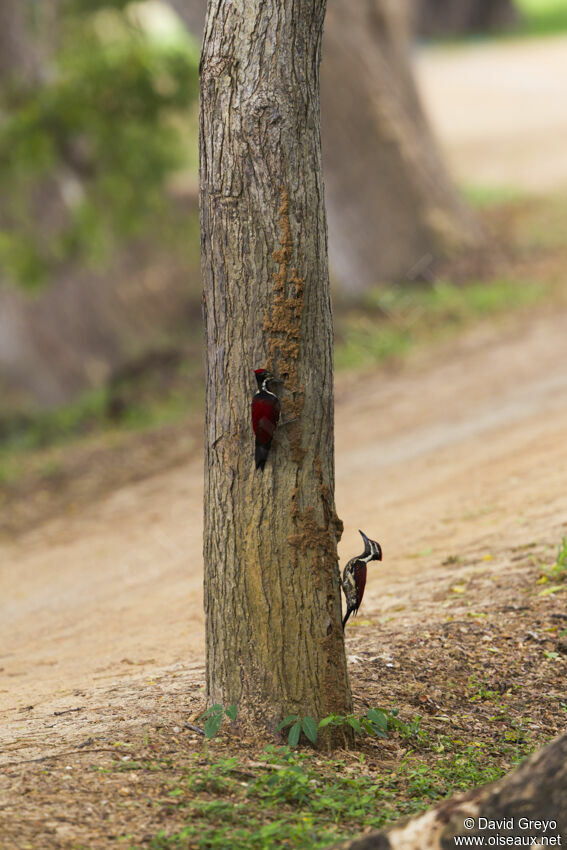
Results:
x,y
19,60
392,206
274,637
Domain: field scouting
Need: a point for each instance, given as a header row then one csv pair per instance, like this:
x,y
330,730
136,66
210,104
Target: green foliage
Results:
x,y
377,722
394,320
297,725
85,156
213,718
557,572
297,799
542,17
559,569
487,196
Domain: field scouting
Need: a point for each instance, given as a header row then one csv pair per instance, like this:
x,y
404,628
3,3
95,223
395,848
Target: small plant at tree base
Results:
x,y
213,718
377,721
296,725
559,569
556,572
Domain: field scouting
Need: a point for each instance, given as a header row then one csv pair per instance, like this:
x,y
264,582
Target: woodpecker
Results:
x,y
266,409
354,575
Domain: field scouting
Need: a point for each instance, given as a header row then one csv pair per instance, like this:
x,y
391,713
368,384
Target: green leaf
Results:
x,y
213,725
354,722
378,718
334,719
556,588
294,733
563,633
231,711
309,726
214,709
287,721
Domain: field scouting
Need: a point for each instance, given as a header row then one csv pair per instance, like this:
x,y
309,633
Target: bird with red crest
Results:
x,y
266,410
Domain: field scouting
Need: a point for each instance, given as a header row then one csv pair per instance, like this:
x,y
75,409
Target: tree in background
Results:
x,y
273,625
86,149
19,55
459,17
392,206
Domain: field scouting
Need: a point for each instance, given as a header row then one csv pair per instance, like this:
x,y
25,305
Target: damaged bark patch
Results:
x,y
282,326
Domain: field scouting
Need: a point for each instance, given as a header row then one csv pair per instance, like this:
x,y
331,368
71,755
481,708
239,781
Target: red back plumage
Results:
x,y
265,415
360,572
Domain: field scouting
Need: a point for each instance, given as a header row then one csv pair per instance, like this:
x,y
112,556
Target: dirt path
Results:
x,y
500,110
460,454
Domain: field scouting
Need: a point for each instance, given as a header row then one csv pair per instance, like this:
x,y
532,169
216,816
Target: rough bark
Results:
x,y
392,207
273,629
460,17
536,791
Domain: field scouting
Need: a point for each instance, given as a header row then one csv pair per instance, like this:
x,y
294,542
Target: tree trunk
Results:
x,y
392,207
273,619
19,59
460,17
537,791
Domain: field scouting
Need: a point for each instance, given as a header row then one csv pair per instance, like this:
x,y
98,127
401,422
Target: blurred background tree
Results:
x,y
392,206
390,200
90,135
98,157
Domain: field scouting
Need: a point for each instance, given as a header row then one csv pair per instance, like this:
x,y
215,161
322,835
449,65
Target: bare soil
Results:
x,y
455,462
500,110
461,453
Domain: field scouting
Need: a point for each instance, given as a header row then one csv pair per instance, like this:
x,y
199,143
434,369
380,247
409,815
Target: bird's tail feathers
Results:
x,y
261,455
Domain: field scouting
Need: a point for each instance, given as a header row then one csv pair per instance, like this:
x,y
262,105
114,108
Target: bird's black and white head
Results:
x,y
372,549
264,378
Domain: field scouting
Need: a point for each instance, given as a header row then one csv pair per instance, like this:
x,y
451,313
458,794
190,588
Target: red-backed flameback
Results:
x,y
266,409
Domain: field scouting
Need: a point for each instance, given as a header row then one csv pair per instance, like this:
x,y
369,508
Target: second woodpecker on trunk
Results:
x,y
266,409
354,575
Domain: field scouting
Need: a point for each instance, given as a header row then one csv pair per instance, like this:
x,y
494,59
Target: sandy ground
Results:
x,y
500,111
460,453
